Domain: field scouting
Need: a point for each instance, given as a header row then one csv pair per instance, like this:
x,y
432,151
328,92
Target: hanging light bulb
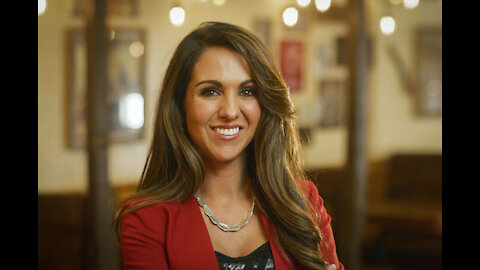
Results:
x,y
218,2
290,16
42,5
177,15
387,25
136,49
303,3
322,5
410,4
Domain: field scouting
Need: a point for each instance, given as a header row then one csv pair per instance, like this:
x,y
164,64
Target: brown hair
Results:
x,y
174,166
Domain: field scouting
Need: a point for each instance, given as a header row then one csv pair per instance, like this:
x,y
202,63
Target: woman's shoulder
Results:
x,y
308,187
146,218
311,190
150,209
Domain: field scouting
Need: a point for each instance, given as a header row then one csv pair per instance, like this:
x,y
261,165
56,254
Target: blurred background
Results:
x,y
310,40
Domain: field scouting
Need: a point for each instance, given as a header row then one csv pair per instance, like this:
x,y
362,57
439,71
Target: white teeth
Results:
x,y
231,131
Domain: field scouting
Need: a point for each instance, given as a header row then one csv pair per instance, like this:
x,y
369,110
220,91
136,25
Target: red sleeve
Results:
x,y
328,249
142,236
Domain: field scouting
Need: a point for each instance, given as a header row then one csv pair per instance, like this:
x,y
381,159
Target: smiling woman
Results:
x,y
222,185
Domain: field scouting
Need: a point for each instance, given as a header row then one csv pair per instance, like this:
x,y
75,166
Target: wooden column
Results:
x,y
351,198
101,248
352,219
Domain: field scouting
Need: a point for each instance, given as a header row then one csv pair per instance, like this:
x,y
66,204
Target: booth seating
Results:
x,y
404,219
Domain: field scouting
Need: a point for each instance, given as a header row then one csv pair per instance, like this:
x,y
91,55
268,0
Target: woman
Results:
x,y
222,185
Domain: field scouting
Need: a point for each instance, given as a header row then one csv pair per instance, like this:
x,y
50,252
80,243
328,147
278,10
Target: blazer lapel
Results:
x,y
193,246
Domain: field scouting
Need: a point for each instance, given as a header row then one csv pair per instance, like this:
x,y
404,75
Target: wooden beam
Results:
x,y
101,248
352,216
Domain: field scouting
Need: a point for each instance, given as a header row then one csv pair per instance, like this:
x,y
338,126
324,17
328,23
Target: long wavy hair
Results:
x,y
174,167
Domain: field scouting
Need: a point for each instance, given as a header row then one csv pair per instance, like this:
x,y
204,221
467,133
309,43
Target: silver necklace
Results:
x,y
215,220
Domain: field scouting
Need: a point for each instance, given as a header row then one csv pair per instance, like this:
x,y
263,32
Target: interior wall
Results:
x,y
392,125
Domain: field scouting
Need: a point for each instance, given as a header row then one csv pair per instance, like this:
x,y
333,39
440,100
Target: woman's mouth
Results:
x,y
227,131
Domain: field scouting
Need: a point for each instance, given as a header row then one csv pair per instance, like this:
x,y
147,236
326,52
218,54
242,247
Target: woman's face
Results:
x,y
221,106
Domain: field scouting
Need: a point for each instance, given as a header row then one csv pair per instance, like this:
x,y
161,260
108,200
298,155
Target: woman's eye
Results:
x,y
248,92
209,92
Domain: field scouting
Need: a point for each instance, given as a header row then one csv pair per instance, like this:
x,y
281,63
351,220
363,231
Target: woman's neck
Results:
x,y
226,181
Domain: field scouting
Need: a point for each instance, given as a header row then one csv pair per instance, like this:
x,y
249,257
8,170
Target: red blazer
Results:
x,y
174,236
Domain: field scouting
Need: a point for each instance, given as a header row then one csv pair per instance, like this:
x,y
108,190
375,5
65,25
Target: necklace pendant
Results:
x,y
224,227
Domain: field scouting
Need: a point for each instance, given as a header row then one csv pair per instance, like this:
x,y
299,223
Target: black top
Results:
x,y
259,259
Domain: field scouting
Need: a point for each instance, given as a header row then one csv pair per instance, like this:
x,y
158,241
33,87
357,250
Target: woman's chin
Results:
x,y
225,157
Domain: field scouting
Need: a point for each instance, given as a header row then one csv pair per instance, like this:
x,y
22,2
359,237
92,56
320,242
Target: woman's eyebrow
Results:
x,y
217,83
246,82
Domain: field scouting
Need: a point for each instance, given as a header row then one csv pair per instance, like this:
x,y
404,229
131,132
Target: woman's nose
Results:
x,y
229,108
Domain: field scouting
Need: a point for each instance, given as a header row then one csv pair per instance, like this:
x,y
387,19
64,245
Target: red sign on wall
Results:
x,y
291,55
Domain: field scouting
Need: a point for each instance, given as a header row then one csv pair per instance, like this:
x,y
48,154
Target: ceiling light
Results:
x,y
410,4
177,15
322,5
303,3
290,16
387,25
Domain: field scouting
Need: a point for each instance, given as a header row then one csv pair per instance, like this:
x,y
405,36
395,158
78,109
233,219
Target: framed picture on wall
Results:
x,y
291,64
324,58
332,103
125,93
429,72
